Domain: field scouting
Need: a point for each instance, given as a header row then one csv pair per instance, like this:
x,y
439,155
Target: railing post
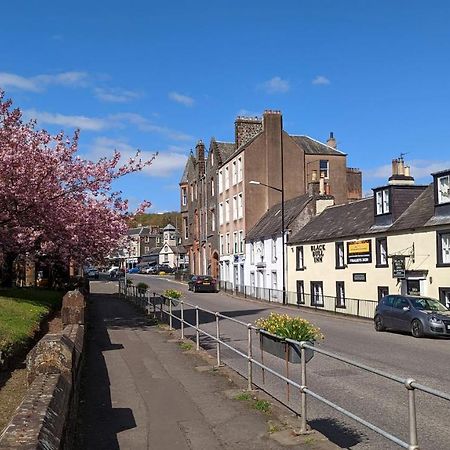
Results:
x,y
218,338
170,314
249,356
302,392
413,442
182,318
357,307
197,332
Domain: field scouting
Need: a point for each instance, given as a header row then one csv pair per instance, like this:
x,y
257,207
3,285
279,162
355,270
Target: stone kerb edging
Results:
x,y
45,418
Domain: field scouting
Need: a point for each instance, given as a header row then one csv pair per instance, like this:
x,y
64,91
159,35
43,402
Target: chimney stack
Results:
x,y
246,128
331,142
401,174
200,153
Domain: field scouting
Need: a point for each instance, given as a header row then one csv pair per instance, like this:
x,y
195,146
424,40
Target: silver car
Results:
x,y
419,315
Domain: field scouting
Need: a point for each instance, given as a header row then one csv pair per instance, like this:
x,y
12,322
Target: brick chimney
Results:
x,y
246,128
200,154
331,142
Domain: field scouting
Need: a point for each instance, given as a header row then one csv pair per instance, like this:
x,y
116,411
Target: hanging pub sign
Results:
x,y
359,252
398,267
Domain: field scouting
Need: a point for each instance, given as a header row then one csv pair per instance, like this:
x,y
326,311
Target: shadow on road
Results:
x,y
98,421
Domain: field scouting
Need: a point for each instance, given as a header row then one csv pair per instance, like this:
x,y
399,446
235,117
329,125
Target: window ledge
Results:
x,y
378,266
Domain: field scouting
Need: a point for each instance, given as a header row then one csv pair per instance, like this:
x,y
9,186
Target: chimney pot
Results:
x,y
322,186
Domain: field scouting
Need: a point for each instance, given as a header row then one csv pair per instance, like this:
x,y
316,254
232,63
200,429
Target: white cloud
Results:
x,y
101,123
116,95
165,163
181,98
275,85
321,80
82,122
420,169
145,125
40,82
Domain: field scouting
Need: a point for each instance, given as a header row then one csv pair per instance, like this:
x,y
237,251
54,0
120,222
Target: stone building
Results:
x,y
219,205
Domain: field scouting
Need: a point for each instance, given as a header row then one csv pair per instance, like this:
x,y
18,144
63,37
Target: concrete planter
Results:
x,y
278,347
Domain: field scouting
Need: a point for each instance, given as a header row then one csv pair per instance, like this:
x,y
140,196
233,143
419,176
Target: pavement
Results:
x,y
380,401
141,389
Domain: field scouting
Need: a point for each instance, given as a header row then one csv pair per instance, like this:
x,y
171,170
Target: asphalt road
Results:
x,y
380,401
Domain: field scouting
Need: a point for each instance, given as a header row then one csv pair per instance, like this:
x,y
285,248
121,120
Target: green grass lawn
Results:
x,y
21,312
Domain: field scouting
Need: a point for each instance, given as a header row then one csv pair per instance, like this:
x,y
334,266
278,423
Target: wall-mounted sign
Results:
x,y
359,252
359,277
398,267
317,252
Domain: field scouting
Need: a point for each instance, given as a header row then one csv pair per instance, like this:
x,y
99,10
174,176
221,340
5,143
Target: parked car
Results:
x,y
112,269
133,270
93,273
419,315
160,268
204,283
116,273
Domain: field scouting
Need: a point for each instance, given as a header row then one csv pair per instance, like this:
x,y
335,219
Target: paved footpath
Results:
x,y
140,391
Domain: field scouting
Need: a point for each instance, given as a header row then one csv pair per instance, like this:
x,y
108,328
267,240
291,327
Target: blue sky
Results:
x,y
158,76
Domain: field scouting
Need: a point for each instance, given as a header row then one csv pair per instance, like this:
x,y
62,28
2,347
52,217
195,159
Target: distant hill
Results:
x,y
159,220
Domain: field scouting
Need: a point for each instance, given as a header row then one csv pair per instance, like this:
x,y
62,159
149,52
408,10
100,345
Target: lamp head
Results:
x,y
254,182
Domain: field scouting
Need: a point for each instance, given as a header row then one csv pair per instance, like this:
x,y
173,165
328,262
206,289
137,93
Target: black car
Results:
x,y
202,283
160,268
419,315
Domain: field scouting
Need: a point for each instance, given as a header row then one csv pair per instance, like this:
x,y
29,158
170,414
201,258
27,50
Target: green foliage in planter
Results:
x,y
172,293
142,287
129,282
286,326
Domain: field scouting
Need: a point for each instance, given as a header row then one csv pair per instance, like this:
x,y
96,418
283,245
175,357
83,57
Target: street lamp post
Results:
x,y
259,183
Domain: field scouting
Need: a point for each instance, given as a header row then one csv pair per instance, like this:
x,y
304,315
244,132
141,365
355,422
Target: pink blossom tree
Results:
x,y
53,203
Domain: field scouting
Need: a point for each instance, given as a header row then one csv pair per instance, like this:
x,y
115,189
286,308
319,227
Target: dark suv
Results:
x,y
419,315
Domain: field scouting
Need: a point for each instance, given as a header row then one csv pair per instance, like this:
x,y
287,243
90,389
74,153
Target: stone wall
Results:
x,y
46,416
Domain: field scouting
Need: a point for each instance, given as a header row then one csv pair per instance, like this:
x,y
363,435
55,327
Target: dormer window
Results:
x,y
443,189
382,201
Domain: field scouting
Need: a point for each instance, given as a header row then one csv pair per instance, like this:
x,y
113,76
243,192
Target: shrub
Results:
x,y
286,326
172,293
142,287
129,282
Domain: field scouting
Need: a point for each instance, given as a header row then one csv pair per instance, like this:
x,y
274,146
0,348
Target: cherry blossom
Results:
x,y
53,203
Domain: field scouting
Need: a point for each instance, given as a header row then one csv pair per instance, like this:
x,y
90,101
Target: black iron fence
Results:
x,y
339,305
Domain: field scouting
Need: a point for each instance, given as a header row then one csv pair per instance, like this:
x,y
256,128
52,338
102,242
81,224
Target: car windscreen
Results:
x,y
428,304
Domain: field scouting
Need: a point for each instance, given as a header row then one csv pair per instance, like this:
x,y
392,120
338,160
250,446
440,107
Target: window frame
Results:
x,y
274,249
299,251
384,195
439,249
326,171
337,246
301,292
378,253
340,300
438,191
313,298
380,290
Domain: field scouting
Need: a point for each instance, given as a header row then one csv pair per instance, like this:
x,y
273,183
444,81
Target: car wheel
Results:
x,y
378,323
194,289
417,328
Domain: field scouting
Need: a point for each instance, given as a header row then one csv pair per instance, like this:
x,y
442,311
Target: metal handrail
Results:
x,y
410,384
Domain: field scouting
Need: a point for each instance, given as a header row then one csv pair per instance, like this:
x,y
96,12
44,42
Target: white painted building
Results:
x,y
263,267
